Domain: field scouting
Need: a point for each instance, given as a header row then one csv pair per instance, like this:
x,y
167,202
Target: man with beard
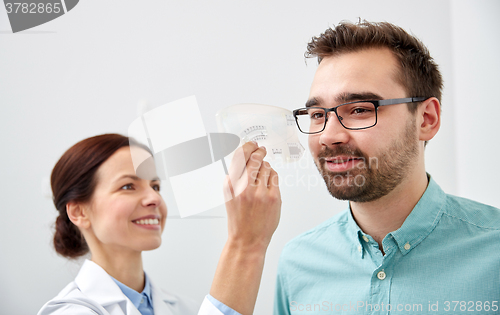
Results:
x,y
403,245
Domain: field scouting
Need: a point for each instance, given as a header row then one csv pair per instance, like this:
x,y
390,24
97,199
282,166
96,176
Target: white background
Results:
x,y
84,74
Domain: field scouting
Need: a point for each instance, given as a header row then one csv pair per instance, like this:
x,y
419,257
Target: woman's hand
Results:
x,y
253,205
254,200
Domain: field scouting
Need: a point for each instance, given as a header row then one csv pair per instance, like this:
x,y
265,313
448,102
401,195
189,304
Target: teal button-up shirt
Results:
x,y
445,259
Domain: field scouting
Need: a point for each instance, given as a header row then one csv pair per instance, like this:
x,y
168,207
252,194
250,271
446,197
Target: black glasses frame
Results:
x,y
376,103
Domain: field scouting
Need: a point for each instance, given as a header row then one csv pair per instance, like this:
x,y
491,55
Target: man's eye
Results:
x,y
156,187
317,115
127,187
361,110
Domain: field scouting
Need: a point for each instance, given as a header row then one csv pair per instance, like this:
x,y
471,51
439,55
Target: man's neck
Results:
x,y
387,214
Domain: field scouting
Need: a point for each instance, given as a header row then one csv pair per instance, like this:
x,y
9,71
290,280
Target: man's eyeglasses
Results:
x,y
353,115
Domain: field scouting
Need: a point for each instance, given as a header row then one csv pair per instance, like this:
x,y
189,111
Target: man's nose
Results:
x,y
334,132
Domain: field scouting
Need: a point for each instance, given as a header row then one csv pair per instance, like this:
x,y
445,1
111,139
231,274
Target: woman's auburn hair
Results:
x,y
74,179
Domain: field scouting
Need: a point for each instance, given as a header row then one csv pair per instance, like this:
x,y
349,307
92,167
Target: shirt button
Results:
x,y
381,275
359,248
407,246
366,238
142,301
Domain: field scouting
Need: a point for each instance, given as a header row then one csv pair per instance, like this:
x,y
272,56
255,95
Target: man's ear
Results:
x,y
429,118
78,214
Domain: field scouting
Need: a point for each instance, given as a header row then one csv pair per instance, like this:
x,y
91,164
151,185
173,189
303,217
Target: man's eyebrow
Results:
x,y
135,177
351,97
312,102
346,98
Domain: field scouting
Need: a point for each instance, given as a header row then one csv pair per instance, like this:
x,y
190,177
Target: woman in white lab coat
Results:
x,y
105,208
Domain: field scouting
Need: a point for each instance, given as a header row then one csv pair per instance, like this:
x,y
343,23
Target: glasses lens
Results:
x,y
357,115
311,119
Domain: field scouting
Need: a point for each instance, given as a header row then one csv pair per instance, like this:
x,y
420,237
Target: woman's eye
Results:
x,y
156,187
127,187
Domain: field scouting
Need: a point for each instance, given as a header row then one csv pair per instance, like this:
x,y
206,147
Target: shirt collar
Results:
x,y
417,226
134,296
422,219
357,233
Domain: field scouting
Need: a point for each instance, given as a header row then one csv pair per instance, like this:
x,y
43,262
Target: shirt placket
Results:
x,y
381,279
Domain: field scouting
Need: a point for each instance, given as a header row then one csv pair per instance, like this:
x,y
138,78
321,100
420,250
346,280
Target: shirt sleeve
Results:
x,y
226,310
281,303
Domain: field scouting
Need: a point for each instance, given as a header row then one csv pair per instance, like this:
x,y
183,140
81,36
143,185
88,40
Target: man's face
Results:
x,y
363,165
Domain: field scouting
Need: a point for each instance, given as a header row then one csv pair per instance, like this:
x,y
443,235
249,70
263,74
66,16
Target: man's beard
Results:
x,y
377,176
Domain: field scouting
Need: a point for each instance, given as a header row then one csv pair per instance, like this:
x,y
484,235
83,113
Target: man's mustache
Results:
x,y
340,151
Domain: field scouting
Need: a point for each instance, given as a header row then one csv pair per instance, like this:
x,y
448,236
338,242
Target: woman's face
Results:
x,y
126,212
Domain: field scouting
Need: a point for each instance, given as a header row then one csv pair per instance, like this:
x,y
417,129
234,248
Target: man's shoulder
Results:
x,y
472,212
337,223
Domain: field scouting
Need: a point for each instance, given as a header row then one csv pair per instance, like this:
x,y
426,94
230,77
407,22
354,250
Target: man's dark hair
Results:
x,y
419,74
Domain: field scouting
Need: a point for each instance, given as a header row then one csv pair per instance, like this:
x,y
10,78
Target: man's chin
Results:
x,y
349,185
350,189
354,194
343,194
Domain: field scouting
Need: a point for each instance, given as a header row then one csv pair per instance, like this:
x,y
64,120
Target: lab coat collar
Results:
x,y
161,300
107,292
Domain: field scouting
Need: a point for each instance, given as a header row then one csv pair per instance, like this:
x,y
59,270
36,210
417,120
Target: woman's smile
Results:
x,y
151,222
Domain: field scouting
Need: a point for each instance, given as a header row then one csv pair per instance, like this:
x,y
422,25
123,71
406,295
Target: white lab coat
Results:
x,y
94,292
